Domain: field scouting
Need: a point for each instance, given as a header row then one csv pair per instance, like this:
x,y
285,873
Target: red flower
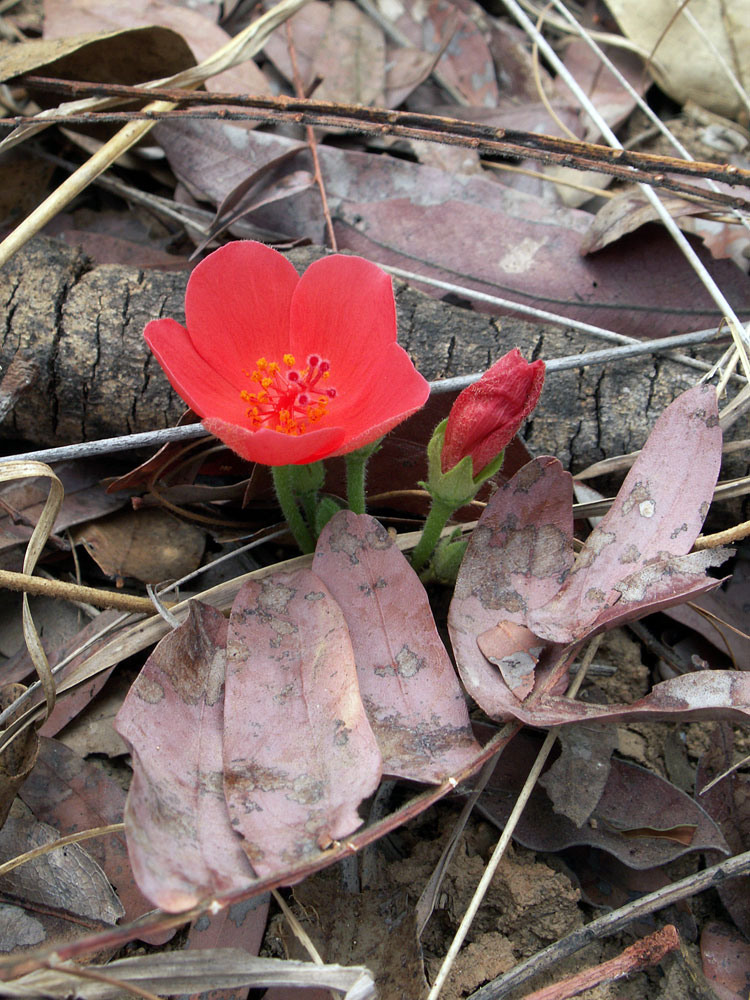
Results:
x,y
487,414
287,370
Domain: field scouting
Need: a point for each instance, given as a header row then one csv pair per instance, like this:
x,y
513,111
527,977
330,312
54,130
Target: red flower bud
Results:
x,y
487,414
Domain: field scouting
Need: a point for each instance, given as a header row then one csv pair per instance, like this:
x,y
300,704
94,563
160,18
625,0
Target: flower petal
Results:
x,y
343,310
273,448
237,307
200,385
386,393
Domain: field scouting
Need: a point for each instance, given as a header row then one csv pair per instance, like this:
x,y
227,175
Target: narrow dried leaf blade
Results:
x,y
181,844
299,754
411,693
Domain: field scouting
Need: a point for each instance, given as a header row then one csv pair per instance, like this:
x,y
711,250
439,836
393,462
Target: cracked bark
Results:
x,y
82,325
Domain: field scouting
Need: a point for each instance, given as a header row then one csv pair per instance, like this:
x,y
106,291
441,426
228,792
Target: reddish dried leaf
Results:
x,y
518,555
726,960
467,63
241,925
625,569
63,18
709,694
728,803
299,754
427,220
633,799
182,847
725,625
408,685
73,794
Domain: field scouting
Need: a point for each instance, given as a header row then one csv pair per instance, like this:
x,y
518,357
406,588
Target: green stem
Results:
x,y
436,520
356,463
283,478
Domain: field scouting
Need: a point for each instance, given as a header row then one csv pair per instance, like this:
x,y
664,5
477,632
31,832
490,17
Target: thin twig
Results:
x,y
71,838
611,923
628,165
508,830
644,953
310,136
38,586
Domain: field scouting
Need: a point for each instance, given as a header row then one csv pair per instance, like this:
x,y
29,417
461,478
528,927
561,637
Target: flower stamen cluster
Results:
x,y
287,401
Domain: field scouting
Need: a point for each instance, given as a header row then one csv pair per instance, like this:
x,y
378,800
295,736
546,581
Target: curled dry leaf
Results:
x,y
628,566
182,847
640,817
410,691
634,562
518,556
73,794
66,880
299,754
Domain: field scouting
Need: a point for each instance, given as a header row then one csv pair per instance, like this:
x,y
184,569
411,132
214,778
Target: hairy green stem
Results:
x,y
436,520
283,479
356,464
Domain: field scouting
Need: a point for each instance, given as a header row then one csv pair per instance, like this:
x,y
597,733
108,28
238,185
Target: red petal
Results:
x,y
387,394
237,307
200,385
343,310
273,448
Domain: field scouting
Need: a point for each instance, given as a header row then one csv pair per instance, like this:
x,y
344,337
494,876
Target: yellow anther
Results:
x,y
288,360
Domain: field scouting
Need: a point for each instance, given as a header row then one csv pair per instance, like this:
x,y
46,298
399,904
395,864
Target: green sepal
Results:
x,y
458,486
325,510
307,479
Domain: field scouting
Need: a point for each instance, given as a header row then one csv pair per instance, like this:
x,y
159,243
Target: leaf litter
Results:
x,y
516,621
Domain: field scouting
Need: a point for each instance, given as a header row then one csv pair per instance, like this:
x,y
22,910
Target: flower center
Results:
x,y
288,398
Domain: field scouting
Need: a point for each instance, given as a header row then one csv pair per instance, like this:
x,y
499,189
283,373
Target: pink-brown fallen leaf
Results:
x,y
410,690
299,754
431,222
241,925
634,561
182,847
726,960
63,18
467,63
728,803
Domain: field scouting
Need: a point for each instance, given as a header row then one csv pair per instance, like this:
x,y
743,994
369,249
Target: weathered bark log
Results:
x,y
82,325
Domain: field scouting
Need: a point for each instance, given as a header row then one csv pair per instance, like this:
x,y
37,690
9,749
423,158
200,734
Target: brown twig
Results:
x,y
611,923
310,135
649,951
39,586
628,165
